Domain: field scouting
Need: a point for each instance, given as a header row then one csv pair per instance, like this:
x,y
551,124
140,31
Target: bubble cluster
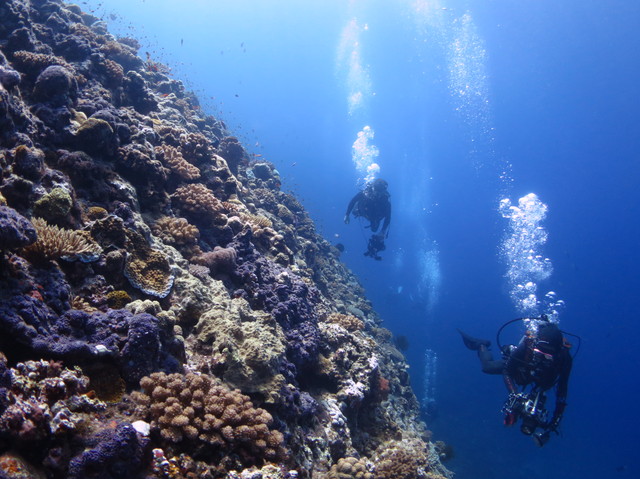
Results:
x,y
430,275
522,252
364,154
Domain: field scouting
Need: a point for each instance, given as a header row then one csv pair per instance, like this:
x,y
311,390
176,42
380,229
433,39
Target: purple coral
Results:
x,y
272,288
56,86
15,230
138,344
116,454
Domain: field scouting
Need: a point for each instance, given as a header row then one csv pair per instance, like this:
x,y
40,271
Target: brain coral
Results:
x,y
196,408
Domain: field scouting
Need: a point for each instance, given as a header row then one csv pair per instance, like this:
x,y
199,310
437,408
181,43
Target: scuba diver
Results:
x,y
539,362
373,204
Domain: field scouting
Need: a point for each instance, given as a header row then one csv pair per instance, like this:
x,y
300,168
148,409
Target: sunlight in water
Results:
x,y
522,252
349,66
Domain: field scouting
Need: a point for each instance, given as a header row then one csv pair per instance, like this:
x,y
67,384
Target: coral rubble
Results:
x,y
166,311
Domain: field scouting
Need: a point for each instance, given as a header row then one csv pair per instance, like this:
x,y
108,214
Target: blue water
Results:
x,y
470,102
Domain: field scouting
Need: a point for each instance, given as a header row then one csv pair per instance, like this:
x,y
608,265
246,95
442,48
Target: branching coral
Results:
x,y
176,162
56,243
232,151
196,408
195,147
34,63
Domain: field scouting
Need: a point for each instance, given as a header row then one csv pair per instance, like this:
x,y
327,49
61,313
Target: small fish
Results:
x,y
181,41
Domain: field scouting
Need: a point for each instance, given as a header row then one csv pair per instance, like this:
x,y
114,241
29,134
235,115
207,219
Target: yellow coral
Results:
x,y
118,299
146,269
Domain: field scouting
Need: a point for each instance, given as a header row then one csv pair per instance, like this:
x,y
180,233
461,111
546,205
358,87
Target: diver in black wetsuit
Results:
x,y
540,361
373,204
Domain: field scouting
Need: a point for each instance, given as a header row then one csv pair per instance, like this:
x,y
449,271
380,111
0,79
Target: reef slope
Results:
x,y
166,311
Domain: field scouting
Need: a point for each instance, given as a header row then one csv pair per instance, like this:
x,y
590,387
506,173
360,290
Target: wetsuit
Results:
x,y
375,207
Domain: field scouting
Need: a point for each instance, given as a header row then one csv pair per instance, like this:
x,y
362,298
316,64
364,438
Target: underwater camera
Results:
x,y
530,407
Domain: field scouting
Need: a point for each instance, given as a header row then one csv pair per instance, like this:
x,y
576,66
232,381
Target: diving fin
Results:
x,y
474,343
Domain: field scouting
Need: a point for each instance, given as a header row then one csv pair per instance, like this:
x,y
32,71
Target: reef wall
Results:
x,y
166,311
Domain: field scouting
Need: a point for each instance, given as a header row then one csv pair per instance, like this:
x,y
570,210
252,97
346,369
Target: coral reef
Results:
x,y
140,248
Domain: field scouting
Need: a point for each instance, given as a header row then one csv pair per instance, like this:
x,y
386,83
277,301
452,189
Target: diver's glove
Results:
x,y
346,219
554,424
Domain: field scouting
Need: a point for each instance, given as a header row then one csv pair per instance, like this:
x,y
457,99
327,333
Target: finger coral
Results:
x,y
196,408
56,243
